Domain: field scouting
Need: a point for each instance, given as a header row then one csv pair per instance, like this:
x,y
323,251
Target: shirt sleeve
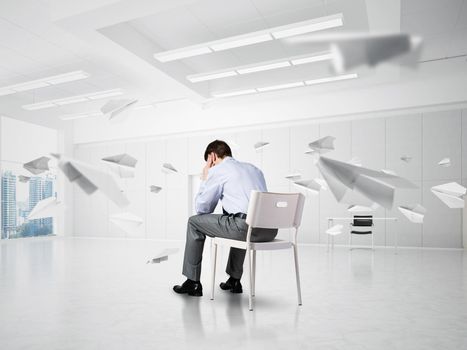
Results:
x,y
210,191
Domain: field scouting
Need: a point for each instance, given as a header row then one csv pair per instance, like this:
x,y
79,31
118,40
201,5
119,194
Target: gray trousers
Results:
x,y
224,226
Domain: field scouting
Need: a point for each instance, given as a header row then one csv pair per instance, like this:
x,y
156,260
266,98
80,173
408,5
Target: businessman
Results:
x,y
230,181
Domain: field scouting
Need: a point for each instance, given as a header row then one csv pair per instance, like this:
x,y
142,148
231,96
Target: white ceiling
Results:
x,y
114,41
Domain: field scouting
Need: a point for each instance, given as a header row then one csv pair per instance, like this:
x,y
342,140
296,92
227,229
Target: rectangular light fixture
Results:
x,y
235,93
43,82
311,59
246,40
179,54
305,27
211,76
331,79
281,86
80,116
73,99
260,36
260,68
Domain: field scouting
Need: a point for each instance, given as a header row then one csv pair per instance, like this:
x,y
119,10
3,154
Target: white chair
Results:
x,y
265,210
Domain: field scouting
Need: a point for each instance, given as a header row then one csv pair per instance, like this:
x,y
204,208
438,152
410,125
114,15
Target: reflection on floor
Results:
x,y
64,293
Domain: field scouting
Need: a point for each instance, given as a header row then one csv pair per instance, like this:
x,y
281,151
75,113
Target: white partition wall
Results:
x,y
378,142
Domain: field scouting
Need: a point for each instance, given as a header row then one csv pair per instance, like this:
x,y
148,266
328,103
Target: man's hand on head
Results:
x,y
209,164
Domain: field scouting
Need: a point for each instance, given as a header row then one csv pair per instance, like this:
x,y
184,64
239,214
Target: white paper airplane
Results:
x,y
311,186
37,166
375,185
261,145
450,194
169,168
445,162
356,161
351,50
162,256
128,222
90,179
415,213
389,171
45,208
361,208
23,178
406,158
118,110
335,230
122,164
155,189
322,145
293,176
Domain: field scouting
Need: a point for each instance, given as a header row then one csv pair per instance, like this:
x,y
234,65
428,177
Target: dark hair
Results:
x,y
221,148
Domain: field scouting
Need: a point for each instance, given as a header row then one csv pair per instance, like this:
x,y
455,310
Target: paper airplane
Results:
x,y
335,230
37,166
361,208
162,256
445,162
128,222
450,194
45,208
261,145
322,183
118,110
388,171
155,189
323,145
356,161
23,178
122,164
169,168
376,186
90,179
351,50
414,213
310,185
293,176
406,159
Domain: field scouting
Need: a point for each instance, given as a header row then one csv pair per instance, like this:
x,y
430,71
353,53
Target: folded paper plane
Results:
x,y
445,162
155,189
356,161
128,222
90,179
293,176
45,208
415,213
169,168
322,145
311,186
261,145
450,194
37,166
406,158
388,171
361,208
122,164
23,178
118,110
162,256
351,50
375,185
335,230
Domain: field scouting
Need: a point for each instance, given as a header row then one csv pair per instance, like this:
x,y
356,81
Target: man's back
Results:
x,y
231,181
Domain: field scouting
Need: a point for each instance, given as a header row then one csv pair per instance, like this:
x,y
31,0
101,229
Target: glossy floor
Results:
x,y
64,293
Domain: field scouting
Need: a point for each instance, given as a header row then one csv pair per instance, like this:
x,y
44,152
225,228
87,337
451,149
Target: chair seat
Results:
x,y
361,232
272,245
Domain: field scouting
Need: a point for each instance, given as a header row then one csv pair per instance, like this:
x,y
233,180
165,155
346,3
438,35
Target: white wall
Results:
x,y
378,142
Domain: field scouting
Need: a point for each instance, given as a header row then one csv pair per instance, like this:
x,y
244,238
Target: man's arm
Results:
x,y
210,190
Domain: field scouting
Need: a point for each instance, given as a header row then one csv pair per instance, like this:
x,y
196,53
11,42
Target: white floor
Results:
x,y
58,293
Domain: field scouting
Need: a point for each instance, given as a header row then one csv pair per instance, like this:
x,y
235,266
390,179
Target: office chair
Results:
x,y
362,225
265,210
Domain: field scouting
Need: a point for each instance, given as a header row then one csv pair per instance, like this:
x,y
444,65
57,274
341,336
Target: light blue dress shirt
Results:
x,y
231,182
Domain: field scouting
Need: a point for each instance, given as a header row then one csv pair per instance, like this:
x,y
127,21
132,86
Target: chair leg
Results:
x,y
250,280
372,241
213,267
297,274
350,241
254,273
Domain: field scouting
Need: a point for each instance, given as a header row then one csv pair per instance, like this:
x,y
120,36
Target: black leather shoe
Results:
x,y
190,287
233,285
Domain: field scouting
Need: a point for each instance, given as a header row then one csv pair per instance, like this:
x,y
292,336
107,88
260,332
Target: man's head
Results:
x,y
220,148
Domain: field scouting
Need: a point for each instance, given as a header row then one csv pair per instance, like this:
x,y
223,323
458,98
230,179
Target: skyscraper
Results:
x,y
8,204
39,189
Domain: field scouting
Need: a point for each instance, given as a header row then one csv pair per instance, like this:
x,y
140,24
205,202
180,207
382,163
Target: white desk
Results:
x,y
350,219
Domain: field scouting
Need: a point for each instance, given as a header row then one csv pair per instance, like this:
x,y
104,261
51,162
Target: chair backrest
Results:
x,y
275,210
362,220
